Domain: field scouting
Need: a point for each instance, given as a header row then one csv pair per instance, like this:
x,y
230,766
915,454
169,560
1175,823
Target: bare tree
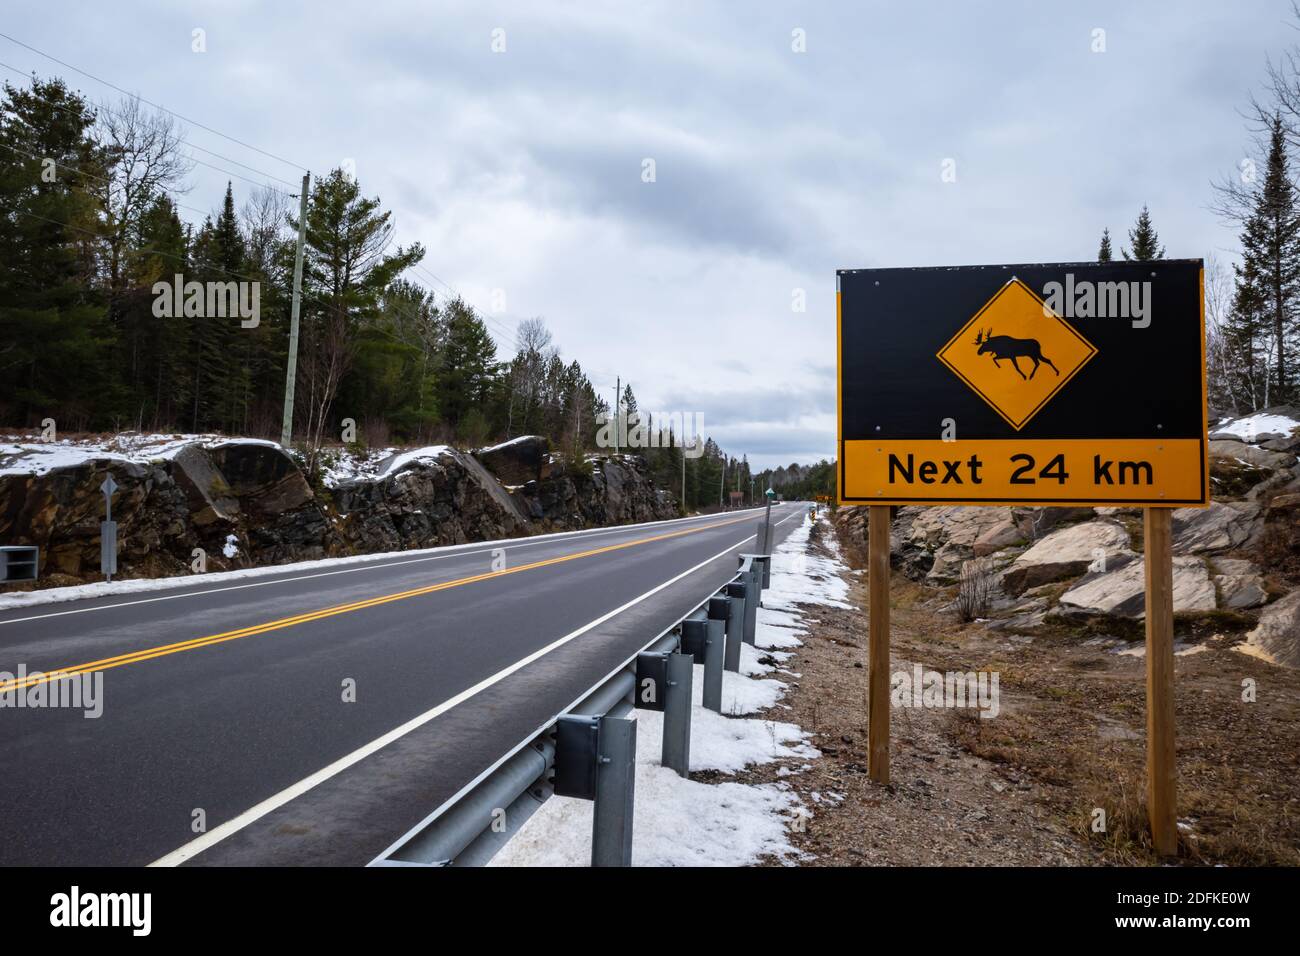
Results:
x,y
533,354
975,589
143,151
263,218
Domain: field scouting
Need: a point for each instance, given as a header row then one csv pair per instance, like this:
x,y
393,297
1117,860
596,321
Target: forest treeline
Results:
x,y
92,219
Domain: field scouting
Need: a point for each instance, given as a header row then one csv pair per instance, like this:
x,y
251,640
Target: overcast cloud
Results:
x,y
521,171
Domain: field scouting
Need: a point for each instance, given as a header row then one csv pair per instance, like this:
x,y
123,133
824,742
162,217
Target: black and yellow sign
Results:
x,y
1071,383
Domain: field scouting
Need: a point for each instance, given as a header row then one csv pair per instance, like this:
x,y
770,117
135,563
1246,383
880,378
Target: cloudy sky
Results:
x,y
521,170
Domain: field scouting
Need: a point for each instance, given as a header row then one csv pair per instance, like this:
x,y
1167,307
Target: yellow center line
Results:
x,y
149,653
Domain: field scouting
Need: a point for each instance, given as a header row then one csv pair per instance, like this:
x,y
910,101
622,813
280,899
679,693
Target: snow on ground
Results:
x,y
507,444
1250,427
342,465
680,822
23,455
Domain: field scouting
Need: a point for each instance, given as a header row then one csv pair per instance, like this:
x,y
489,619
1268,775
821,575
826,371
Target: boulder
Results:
x,y
1220,527
517,461
1121,591
1240,584
1251,455
1067,552
1277,635
1004,534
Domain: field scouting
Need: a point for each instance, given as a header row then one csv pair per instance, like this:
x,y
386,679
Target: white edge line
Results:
x,y
256,812
459,794
362,563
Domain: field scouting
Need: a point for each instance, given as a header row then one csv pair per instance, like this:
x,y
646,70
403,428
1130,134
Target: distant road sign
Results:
x,y
1057,383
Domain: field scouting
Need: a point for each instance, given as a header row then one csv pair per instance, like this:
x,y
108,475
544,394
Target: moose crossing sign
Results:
x,y
1058,383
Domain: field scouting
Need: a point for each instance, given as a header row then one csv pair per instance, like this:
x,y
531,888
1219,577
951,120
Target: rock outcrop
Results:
x,y
1121,591
599,491
1067,553
246,503
1277,636
196,496
518,461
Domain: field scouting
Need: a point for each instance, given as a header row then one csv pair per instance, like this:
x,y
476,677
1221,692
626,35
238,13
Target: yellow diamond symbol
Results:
x,y
1016,353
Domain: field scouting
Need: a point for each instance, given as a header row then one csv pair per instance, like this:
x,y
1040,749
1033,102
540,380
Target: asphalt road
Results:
x,y
226,736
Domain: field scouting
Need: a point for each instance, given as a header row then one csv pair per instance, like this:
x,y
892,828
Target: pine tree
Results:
x,y
1268,281
1104,254
469,367
55,343
1143,239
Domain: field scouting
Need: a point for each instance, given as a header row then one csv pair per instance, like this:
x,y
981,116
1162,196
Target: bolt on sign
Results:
x,y
1048,383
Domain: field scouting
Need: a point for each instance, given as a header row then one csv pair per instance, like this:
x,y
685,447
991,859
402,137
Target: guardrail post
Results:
x,y
735,623
715,653
611,827
677,714
750,575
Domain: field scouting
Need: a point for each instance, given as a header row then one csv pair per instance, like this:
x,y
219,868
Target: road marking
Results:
x,y
256,812
445,552
149,653
488,771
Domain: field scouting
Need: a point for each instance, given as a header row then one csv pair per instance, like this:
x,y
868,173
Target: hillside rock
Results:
x,y
934,543
1220,527
1251,454
1240,584
1066,553
1121,591
165,507
601,491
517,461
248,503
443,498
1277,636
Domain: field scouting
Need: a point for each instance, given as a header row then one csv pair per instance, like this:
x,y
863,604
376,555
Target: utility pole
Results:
x,y
618,388
295,310
722,481
683,475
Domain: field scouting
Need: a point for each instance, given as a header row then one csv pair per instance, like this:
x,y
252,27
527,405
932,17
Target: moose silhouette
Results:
x,y
1006,347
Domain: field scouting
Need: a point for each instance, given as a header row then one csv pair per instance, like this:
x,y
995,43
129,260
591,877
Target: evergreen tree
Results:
x,y
1143,240
469,367
56,347
1263,317
1104,254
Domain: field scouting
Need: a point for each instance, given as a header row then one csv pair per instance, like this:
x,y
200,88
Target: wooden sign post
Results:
x,y
878,644
1050,384
1161,802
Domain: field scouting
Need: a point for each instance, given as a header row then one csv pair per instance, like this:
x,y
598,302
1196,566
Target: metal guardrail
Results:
x,y
589,750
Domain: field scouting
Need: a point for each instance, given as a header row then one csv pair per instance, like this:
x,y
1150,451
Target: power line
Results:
x,y
182,140
502,329
156,106
79,172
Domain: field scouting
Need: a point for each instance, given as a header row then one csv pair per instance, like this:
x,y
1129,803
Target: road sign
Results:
x,y
1067,383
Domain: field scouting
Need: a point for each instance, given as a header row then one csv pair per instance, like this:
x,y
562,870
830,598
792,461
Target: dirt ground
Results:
x,y
1025,788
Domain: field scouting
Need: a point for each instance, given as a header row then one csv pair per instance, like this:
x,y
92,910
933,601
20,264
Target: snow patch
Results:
x,y
1250,427
680,822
